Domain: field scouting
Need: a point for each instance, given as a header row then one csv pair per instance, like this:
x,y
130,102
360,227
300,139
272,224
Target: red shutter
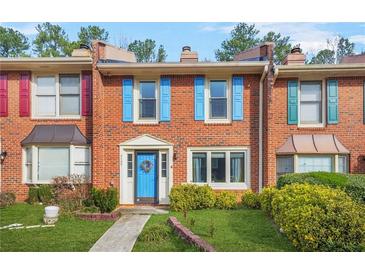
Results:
x,y
24,95
86,93
3,94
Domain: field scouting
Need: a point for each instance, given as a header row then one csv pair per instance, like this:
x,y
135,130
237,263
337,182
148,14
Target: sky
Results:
x,y
205,38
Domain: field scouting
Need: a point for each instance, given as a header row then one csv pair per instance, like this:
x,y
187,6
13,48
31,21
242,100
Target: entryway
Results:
x,y
146,168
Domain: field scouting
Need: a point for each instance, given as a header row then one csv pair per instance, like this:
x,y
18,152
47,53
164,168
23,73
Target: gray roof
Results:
x,y
56,134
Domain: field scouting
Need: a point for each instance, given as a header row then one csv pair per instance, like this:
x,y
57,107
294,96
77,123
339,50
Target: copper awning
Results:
x,y
55,134
312,144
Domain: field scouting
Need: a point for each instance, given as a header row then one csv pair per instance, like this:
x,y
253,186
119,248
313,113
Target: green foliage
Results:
x,y
352,184
45,194
7,199
212,229
344,48
12,43
187,197
266,197
226,200
319,218
325,56
145,51
51,41
105,199
90,33
282,46
33,195
250,199
90,209
155,233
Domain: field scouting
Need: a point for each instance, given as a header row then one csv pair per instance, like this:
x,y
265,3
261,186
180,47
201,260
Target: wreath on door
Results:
x,y
146,165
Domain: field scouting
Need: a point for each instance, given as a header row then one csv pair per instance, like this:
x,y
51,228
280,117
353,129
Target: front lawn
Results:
x,y
69,234
235,230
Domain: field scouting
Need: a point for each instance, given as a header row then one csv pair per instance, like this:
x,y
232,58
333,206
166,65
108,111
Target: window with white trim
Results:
x,y
57,96
315,163
284,165
218,105
146,101
164,165
343,166
130,165
43,163
218,166
310,101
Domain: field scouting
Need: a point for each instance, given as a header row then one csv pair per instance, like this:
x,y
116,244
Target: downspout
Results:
x,y
261,117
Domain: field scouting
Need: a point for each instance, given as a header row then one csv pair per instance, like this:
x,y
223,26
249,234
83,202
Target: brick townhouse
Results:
x,y
145,127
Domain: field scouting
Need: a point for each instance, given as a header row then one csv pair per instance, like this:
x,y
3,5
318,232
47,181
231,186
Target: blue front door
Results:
x,y
146,187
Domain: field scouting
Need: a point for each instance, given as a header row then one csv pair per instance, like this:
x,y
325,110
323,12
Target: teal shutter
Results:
x,y
127,100
165,99
292,102
237,98
199,98
332,101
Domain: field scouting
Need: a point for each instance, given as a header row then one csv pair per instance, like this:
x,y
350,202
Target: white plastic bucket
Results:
x,y
51,211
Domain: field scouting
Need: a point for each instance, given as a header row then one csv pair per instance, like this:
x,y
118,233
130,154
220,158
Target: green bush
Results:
x,y
353,185
7,199
45,194
187,197
33,195
266,197
250,199
105,199
155,233
319,218
226,200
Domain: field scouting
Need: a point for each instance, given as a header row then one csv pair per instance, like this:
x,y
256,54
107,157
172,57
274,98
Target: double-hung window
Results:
x,y
147,100
311,102
57,96
218,103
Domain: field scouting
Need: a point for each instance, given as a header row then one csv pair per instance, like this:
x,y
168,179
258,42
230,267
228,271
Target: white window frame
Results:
x,y
227,150
207,118
137,96
57,80
35,162
323,93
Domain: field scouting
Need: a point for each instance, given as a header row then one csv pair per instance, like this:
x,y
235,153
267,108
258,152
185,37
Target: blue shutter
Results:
x,y
237,98
292,102
199,97
332,102
127,100
165,99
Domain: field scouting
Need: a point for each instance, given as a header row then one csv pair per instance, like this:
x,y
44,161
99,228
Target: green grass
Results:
x,y
235,230
69,234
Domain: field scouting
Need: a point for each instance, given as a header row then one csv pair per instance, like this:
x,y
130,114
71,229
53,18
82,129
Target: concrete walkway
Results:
x,y
122,235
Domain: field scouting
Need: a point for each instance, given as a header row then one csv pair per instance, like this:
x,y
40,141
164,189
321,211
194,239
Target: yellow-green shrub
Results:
x,y
318,218
250,199
266,197
226,200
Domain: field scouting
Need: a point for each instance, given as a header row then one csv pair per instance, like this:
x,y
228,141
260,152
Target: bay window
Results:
x,y
315,163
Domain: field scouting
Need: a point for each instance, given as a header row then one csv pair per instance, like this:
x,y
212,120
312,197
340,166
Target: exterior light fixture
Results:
x,y
3,155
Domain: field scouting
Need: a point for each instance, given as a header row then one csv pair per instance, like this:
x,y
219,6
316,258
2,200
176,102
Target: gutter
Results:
x,y
261,117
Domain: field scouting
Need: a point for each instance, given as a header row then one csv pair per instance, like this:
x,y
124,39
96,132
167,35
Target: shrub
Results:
x,y
204,197
226,200
266,197
318,218
250,199
7,199
356,187
105,199
155,233
45,194
33,195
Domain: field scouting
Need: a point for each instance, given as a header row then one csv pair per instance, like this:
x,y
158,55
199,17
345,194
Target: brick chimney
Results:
x,y
82,51
188,56
263,52
295,57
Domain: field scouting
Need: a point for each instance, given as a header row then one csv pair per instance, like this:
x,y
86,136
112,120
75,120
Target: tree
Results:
x,y
12,43
145,51
243,37
282,45
90,33
325,56
51,40
344,48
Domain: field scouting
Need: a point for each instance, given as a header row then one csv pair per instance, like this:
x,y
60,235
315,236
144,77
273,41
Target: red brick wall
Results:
x,y
350,130
182,131
13,129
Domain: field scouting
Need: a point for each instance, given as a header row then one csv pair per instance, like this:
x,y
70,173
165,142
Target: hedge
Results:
x,y
352,184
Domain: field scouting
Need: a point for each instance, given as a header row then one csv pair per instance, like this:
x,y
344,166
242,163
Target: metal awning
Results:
x,y
312,144
55,134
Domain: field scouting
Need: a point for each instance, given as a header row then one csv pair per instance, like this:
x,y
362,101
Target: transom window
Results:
x,y
57,95
218,99
311,102
147,101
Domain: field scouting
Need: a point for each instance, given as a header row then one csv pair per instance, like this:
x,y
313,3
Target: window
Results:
x,y
147,101
218,99
43,163
164,165
130,165
315,163
310,102
342,164
284,165
199,167
57,96
219,167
